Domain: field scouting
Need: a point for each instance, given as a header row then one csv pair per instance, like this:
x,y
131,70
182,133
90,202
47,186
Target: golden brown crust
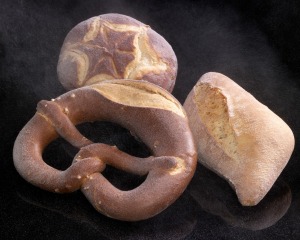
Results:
x,y
164,130
253,145
114,46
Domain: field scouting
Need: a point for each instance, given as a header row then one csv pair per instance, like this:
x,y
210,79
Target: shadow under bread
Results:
x,y
215,196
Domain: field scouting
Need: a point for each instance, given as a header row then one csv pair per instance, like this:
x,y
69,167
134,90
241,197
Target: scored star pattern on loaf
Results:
x,y
110,51
107,48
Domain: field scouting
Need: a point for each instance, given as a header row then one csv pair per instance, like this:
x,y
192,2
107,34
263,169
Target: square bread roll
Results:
x,y
238,137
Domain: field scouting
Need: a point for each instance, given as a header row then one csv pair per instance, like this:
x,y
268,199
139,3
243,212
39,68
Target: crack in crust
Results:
x,y
213,111
138,95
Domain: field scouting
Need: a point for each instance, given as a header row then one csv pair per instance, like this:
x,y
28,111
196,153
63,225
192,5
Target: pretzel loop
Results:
x,y
104,196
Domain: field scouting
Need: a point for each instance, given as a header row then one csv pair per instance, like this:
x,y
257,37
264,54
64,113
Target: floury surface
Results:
x,y
255,43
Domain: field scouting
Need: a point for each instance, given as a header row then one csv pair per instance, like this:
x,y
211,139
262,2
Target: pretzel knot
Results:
x,y
148,111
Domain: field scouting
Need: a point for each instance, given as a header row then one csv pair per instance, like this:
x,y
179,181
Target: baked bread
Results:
x,y
238,137
148,111
114,46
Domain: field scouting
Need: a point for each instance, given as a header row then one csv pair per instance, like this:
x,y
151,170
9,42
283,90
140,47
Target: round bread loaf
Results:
x,y
114,46
238,137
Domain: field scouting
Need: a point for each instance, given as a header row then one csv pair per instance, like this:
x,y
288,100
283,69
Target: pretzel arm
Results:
x,y
111,155
52,112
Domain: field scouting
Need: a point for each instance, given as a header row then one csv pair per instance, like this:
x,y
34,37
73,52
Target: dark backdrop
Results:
x,y
256,43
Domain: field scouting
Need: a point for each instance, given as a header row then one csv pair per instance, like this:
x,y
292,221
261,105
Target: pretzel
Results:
x,y
148,111
115,46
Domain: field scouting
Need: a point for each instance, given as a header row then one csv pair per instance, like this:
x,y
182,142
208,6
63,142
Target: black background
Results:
x,y
256,43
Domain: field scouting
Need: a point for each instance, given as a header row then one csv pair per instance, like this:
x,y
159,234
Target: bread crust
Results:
x,y
115,46
164,129
263,141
